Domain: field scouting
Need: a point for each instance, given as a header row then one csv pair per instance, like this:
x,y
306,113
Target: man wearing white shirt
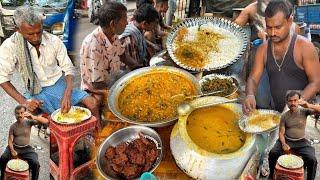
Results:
x,y
41,59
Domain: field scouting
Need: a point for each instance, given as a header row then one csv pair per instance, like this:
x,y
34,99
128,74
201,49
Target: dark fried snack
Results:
x,y
110,153
120,159
121,148
130,159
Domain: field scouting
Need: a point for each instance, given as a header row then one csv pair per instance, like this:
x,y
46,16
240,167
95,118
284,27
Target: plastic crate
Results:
x,y
301,13
314,13
315,31
308,13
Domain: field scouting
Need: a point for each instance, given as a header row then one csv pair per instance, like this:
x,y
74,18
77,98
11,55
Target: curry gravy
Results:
x,y
215,129
148,98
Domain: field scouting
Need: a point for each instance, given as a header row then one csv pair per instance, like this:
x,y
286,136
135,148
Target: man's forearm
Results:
x,y
10,144
250,86
69,82
130,61
40,119
315,107
12,91
281,138
310,91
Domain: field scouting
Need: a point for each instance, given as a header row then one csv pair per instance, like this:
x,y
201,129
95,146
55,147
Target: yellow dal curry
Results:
x,y
148,98
215,129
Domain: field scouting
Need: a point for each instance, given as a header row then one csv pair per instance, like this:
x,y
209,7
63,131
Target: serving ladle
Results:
x,y
178,96
185,108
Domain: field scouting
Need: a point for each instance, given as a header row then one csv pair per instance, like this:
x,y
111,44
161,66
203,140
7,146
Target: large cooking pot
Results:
x,y
118,87
201,164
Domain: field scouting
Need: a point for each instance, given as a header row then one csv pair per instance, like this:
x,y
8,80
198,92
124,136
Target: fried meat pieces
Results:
x,y
131,159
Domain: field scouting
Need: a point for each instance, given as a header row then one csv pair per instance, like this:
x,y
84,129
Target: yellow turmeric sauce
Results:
x,y
148,98
215,129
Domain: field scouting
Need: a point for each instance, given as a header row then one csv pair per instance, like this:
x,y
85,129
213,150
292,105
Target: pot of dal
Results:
x,y
143,96
207,143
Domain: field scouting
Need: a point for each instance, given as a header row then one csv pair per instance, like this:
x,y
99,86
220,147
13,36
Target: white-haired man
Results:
x,y
41,59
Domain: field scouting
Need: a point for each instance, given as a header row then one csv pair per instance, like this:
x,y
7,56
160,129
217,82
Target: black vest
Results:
x,y
290,77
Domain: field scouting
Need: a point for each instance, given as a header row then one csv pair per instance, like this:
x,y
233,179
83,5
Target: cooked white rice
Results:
x,y
257,128
229,47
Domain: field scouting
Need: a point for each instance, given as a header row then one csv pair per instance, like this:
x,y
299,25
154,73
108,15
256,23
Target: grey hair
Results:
x,y
27,14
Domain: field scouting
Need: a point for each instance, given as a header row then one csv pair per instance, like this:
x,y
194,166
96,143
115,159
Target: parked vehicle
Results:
x,y
60,18
94,6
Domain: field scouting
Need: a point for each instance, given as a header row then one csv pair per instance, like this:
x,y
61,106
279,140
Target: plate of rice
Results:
x,y
18,165
290,161
206,44
260,121
75,115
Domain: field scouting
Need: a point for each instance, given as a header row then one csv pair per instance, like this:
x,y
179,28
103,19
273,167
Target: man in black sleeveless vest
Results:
x,y
291,60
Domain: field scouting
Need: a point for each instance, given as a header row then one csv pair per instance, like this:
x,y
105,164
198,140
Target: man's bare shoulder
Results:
x,y
303,41
285,115
263,47
304,46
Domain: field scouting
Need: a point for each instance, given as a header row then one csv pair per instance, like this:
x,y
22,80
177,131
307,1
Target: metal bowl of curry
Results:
x,y
143,96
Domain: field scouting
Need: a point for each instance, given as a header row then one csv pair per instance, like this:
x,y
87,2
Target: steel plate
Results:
x,y
126,134
244,119
54,118
213,21
18,165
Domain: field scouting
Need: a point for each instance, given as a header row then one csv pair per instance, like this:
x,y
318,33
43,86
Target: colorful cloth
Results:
x,y
52,96
135,44
29,77
100,60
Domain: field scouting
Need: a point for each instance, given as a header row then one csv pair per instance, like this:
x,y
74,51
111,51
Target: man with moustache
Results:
x,y
19,141
290,60
102,59
254,14
292,134
42,61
